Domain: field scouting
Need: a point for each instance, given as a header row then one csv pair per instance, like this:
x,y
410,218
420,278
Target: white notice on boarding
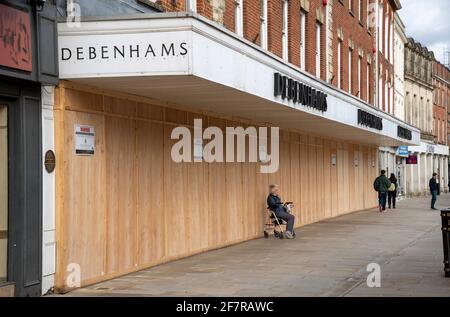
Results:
x,y
84,140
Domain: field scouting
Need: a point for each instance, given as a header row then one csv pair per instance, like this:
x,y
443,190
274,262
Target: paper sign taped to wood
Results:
x,y
84,140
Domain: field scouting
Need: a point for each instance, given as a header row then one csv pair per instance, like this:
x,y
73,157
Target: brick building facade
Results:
x,y
441,102
320,37
385,46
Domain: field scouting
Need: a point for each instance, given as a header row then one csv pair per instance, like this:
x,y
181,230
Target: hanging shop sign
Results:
x,y
404,133
49,161
369,120
403,151
98,55
297,92
15,38
411,160
84,140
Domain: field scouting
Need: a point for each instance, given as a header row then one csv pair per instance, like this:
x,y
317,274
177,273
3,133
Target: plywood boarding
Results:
x,y
130,206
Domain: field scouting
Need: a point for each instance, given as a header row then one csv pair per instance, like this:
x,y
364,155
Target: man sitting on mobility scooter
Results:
x,y
281,210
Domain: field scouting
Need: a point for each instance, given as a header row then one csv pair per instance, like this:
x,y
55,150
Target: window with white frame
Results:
x,y
359,76
302,40
191,5
368,14
380,90
386,102
318,35
386,36
263,19
360,10
380,29
438,125
284,35
391,43
391,99
350,53
368,83
339,64
238,17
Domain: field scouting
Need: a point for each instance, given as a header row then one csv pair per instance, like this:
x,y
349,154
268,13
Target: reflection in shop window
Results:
x,y
3,192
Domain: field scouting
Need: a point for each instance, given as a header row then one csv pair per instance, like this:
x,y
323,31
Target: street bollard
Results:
x,y
445,217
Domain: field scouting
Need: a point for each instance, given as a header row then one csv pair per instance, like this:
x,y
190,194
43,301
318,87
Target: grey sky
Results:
x,y
428,21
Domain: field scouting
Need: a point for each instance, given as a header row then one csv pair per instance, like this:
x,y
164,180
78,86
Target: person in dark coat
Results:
x,y
275,204
433,190
381,185
392,193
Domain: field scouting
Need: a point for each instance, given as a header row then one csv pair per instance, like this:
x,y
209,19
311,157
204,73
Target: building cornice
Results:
x,y
395,4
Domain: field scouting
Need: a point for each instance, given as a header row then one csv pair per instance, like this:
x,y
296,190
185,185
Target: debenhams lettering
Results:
x,y
369,120
299,93
404,133
105,52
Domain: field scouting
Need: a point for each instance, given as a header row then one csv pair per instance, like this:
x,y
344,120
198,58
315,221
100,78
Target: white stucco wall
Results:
x,y
48,197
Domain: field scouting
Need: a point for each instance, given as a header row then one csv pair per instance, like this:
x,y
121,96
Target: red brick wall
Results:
x,y
342,18
251,21
362,39
275,28
169,6
441,76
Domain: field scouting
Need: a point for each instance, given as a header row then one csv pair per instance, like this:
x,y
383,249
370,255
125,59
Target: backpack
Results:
x,y
392,188
376,184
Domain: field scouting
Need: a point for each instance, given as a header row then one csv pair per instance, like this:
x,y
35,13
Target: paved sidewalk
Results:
x,y
328,258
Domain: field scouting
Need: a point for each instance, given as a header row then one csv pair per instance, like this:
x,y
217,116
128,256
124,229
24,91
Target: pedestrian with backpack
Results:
x,y
392,192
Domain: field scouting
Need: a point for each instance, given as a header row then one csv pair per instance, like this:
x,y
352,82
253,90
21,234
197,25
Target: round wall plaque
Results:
x,y
49,161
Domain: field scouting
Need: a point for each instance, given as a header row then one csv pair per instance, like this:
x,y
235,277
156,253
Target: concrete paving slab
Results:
x,y
328,258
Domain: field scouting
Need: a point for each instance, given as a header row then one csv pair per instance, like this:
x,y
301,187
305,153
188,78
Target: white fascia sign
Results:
x,y
118,55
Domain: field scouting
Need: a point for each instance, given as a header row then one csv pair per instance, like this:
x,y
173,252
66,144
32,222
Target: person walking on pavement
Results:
x,y
381,185
433,190
392,192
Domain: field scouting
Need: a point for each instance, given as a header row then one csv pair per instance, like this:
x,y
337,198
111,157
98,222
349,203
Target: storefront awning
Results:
x,y
189,61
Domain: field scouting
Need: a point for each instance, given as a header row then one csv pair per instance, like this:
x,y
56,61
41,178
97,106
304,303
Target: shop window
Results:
x,y
3,193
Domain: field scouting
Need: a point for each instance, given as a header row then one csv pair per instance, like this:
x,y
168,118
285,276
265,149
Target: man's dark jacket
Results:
x,y
274,203
433,185
382,184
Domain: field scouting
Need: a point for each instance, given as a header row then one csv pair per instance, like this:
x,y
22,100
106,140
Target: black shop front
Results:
x,y
27,63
